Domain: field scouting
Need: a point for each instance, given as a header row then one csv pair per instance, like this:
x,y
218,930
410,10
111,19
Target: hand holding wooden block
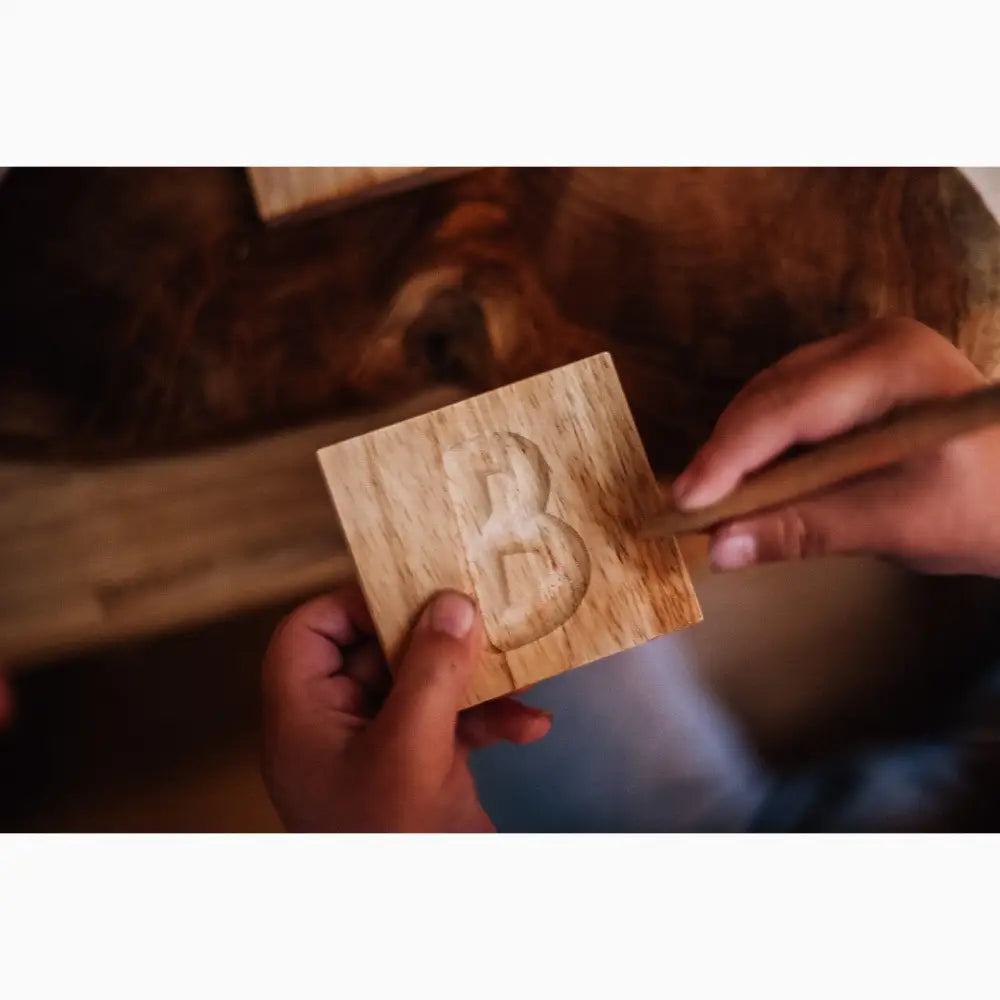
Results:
x,y
529,498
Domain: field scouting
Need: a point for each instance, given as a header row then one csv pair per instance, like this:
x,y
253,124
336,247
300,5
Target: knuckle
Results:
x,y
440,654
782,395
960,462
901,332
801,537
932,360
953,458
775,395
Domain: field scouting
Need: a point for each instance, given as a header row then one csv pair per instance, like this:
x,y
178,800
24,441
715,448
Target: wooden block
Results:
x,y
528,497
94,554
282,191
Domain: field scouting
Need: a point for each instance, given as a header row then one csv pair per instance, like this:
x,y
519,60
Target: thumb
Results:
x,y
870,515
434,673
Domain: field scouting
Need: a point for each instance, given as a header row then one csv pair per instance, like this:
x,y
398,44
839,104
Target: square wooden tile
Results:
x,y
284,191
529,498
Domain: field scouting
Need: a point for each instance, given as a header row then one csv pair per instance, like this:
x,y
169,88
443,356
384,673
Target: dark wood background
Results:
x,y
149,310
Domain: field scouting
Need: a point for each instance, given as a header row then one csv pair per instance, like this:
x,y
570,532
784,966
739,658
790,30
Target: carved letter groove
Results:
x,y
529,568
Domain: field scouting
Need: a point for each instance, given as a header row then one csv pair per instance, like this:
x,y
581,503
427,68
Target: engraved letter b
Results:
x,y
530,569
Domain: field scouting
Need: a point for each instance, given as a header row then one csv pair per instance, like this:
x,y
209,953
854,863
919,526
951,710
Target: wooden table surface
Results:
x,y
149,316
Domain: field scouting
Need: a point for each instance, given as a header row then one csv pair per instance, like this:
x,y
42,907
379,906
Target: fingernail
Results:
x,y
734,552
451,613
697,494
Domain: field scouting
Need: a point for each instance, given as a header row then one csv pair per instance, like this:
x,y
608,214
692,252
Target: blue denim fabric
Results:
x,y
638,745
915,785
900,788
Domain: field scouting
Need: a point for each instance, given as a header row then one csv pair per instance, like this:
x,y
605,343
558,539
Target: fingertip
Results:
x,y
450,613
734,548
702,491
533,728
681,485
691,476
703,482
434,670
446,640
504,719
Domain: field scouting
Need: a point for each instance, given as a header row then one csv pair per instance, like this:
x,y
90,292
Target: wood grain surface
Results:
x,y
529,497
150,310
93,555
284,191
150,313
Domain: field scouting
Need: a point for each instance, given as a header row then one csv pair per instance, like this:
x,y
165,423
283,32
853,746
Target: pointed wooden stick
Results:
x,y
902,433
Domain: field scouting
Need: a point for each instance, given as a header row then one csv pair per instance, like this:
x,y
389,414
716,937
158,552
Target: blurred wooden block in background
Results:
x,y
284,191
528,497
94,554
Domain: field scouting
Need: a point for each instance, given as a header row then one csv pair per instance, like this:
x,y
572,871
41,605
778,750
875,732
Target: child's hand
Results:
x,y
345,749
937,512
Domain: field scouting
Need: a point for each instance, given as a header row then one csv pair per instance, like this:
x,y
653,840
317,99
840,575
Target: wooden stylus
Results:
x,y
901,434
